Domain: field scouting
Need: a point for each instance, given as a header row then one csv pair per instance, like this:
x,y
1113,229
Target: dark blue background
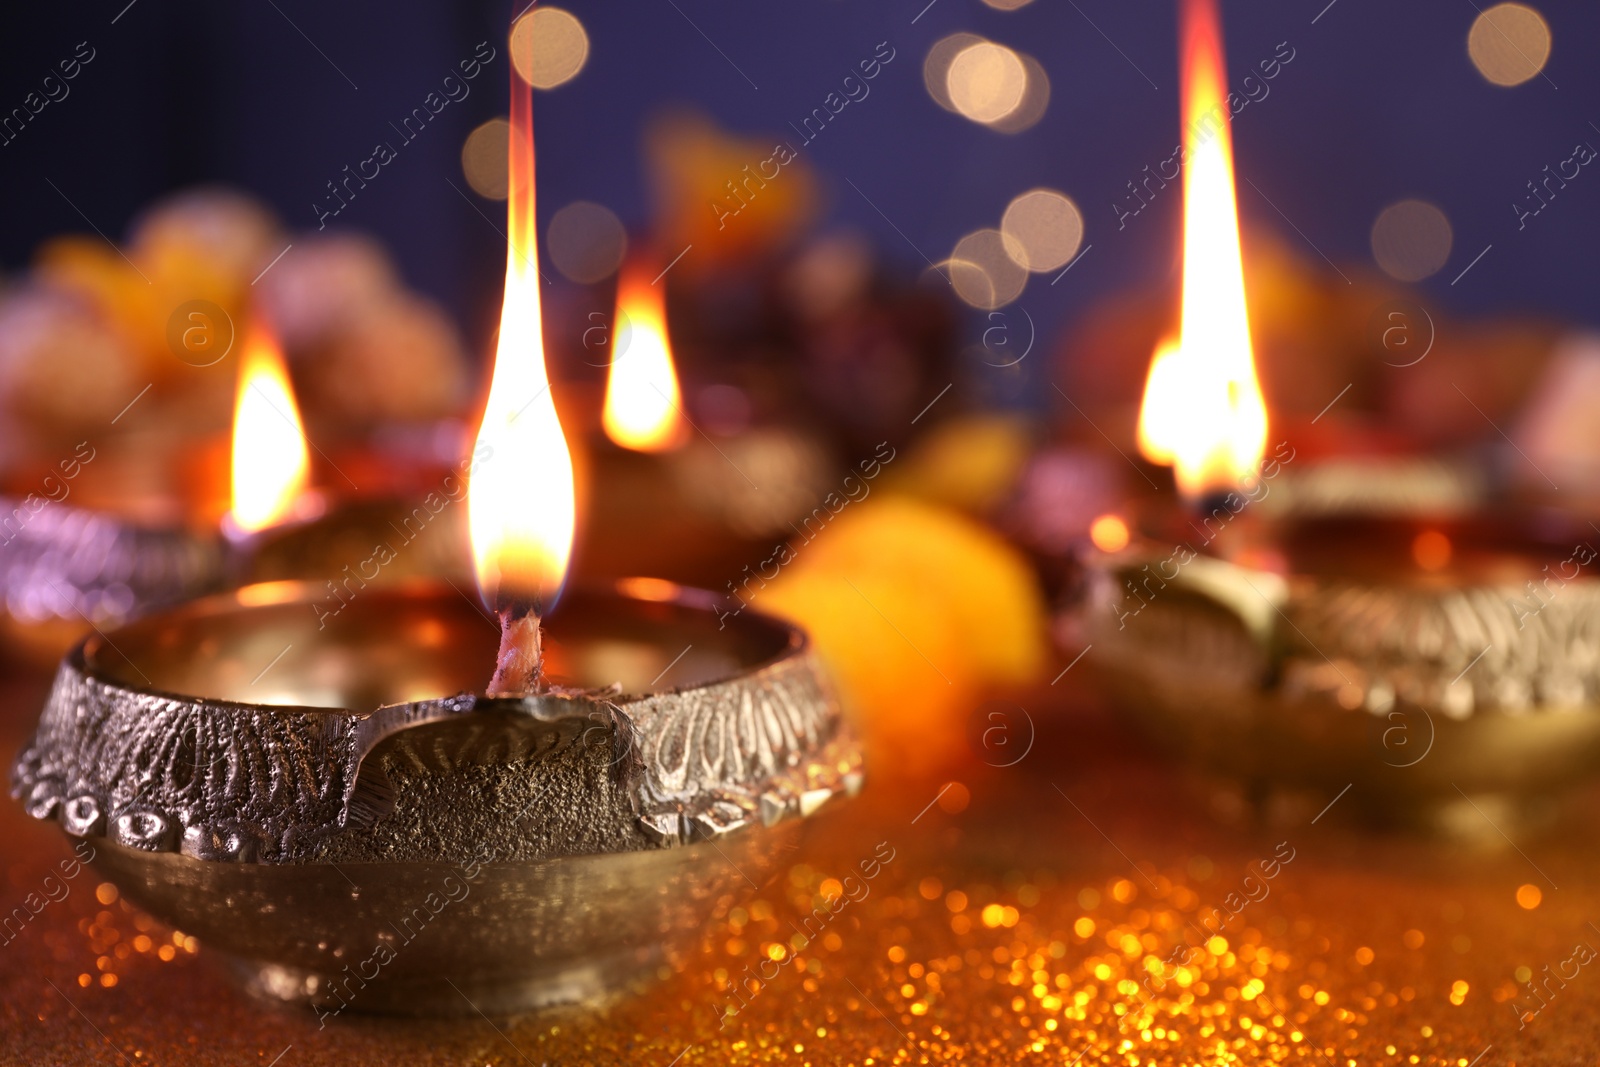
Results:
x,y
1380,102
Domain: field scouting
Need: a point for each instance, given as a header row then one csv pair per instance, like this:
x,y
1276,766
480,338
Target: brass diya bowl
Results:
x,y
291,786
1464,700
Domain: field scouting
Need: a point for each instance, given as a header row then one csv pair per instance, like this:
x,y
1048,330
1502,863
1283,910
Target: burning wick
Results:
x,y
521,658
521,502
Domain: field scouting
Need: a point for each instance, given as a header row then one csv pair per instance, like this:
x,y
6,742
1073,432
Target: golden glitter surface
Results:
x,y
1076,908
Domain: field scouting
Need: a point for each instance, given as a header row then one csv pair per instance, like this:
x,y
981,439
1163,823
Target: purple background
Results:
x,y
1380,102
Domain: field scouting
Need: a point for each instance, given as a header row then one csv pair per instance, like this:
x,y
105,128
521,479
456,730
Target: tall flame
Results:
x,y
1203,410
270,462
520,504
642,409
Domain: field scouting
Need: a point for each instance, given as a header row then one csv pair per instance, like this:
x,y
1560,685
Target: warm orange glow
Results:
x,y
657,589
520,503
270,462
1432,550
642,409
1109,533
1203,409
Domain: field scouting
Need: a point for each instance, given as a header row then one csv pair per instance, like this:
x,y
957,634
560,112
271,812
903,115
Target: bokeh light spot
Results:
x,y
954,798
483,159
1411,240
1529,896
1109,533
587,241
1043,228
986,81
1035,100
983,269
548,47
1007,5
1509,43
936,67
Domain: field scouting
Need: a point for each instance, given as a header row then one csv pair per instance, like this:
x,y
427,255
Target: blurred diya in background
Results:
x,y
285,783
709,493
792,355
115,379
1443,669
915,608
99,521
1440,665
287,519
109,536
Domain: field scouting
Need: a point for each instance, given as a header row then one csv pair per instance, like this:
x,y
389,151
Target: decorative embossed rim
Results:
x,y
1361,627
125,761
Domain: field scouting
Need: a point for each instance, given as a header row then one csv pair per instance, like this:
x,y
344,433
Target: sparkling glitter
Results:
x,y
1034,979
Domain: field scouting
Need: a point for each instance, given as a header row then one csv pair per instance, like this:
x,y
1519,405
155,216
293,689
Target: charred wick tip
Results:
x,y
515,608
519,664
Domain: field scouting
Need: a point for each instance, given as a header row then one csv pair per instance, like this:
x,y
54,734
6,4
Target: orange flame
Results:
x,y
642,409
270,462
1203,410
521,505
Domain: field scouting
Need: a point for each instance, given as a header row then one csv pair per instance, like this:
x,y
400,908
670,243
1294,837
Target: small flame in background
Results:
x,y
521,503
270,461
642,408
1203,411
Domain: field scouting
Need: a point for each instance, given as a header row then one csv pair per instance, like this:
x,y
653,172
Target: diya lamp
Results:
x,y
709,491
1438,668
112,533
289,520
353,817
